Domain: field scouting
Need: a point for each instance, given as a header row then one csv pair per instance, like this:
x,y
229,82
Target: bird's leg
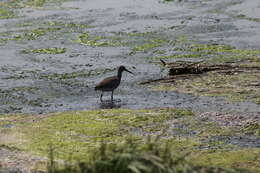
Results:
x,y
112,95
101,97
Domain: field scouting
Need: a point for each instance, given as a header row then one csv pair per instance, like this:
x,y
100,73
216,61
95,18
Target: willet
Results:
x,y
111,83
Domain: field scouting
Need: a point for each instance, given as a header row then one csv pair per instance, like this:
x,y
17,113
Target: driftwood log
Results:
x,y
184,69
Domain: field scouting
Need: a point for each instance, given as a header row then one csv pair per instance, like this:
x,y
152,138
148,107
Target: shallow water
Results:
x,y
42,83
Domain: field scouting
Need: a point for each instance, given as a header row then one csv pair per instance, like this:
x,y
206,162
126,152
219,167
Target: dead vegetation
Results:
x,y
185,70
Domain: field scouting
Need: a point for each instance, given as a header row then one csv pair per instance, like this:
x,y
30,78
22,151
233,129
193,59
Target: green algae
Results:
x,y
45,28
35,3
6,14
224,53
65,78
28,3
53,50
211,53
149,44
7,9
27,35
159,51
141,42
35,33
11,4
74,74
49,29
97,41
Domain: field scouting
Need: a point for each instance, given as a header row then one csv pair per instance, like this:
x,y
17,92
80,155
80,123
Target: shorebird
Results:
x,y
111,83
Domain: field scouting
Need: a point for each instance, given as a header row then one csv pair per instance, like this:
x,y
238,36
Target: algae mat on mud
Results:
x,y
238,82
74,135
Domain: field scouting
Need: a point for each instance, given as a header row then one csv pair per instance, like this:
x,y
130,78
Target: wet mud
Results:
x,y
53,54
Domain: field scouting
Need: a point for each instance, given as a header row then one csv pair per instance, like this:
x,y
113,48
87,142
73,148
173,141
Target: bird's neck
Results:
x,y
119,74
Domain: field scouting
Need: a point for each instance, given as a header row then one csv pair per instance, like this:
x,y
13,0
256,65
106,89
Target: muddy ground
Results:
x,y
54,52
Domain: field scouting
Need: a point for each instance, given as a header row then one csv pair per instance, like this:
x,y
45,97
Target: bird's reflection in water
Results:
x,y
108,104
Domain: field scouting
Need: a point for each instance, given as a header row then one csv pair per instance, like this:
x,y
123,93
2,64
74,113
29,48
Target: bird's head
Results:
x,y
122,68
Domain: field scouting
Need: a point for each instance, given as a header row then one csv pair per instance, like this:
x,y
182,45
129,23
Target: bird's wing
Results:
x,y
108,83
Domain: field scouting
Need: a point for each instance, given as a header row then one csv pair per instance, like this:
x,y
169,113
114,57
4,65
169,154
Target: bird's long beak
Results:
x,y
129,71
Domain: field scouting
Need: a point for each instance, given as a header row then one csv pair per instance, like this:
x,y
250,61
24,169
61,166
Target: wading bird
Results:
x,y
111,83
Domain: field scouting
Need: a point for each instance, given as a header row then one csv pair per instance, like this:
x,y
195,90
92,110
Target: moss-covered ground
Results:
x,y
74,135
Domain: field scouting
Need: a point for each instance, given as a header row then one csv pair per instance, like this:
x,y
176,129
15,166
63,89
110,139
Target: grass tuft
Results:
x,y
130,157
